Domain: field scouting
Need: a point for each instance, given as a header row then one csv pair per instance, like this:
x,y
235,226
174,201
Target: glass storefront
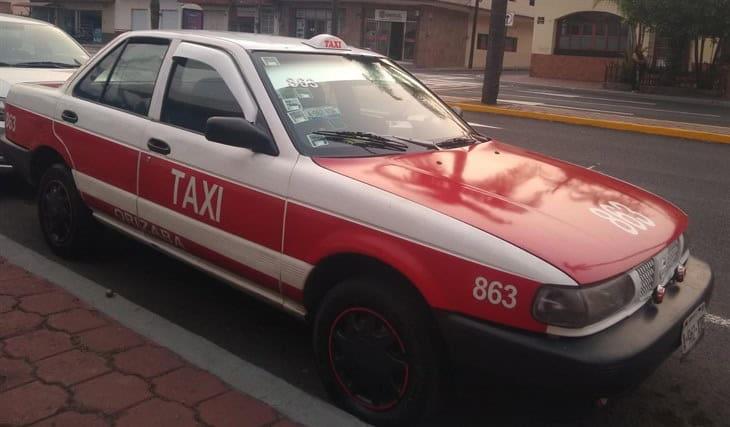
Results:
x,y
83,25
392,32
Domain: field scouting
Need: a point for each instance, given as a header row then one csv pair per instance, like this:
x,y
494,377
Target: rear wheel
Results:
x,y
376,353
66,222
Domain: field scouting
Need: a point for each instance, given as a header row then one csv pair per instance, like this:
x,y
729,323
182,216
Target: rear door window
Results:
x,y
127,80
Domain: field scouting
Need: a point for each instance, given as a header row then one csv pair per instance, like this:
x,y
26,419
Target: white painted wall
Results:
x,y
123,13
519,7
522,30
215,19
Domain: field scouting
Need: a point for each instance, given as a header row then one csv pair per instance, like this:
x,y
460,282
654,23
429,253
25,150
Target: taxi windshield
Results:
x,y
355,105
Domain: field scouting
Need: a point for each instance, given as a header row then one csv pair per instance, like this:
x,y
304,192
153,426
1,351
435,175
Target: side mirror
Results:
x,y
458,111
237,132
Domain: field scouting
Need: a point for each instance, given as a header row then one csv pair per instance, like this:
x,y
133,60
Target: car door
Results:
x,y
222,205
101,121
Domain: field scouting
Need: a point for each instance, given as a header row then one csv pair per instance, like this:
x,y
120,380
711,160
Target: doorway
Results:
x,y
395,49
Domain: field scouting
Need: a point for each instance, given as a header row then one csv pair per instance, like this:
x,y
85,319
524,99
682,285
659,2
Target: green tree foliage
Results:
x,y
697,23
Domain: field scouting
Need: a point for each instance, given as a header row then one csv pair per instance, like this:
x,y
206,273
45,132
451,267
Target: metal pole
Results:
x,y
474,33
495,52
335,21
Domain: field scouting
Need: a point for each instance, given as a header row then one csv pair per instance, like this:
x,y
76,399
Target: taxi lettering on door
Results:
x,y
197,195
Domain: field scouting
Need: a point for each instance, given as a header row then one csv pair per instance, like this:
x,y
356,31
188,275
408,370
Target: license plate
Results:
x,y
694,327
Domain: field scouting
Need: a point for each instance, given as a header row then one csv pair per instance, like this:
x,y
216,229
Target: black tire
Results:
x,y
66,223
396,376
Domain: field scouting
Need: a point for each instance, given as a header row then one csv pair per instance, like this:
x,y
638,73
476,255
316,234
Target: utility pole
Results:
x,y
335,21
474,33
495,51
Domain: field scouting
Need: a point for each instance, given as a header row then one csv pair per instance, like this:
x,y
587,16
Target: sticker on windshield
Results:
x,y
298,117
317,141
270,61
399,124
301,82
292,104
303,93
320,112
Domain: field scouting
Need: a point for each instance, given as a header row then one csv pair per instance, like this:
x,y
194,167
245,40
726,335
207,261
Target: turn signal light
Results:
x,y
658,295
680,273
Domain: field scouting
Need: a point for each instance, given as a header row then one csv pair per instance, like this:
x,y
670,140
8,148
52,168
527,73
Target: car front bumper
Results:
x,y
602,364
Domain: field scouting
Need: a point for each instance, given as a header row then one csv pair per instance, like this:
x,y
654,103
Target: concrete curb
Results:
x,y
695,135
705,102
291,401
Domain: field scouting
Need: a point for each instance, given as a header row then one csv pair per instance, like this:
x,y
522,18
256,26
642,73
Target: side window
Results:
x,y
92,85
195,93
133,79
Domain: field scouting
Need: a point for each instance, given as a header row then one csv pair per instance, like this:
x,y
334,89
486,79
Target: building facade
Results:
x,y
426,33
577,39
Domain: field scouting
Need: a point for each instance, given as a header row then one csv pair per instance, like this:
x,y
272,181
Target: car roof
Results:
x,y
250,41
4,17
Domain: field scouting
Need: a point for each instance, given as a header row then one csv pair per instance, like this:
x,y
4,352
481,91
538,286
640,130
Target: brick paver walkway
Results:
x,y
62,363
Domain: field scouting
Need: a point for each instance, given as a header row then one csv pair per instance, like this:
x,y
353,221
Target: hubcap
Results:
x,y
56,212
368,358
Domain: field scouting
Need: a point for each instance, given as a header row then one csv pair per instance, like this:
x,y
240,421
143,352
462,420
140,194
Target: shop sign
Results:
x,y
391,15
510,19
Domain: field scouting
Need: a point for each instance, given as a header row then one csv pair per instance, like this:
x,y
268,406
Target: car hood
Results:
x,y
565,214
11,75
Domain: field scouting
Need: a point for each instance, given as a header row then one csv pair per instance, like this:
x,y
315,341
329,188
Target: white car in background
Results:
x,y
34,51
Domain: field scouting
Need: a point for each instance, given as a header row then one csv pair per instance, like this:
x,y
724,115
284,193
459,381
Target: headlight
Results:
x,y
2,109
577,307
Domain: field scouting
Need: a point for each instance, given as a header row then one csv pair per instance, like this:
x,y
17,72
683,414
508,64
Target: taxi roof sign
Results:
x,y
327,41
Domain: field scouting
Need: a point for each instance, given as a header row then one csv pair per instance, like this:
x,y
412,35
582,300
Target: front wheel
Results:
x,y
66,222
376,353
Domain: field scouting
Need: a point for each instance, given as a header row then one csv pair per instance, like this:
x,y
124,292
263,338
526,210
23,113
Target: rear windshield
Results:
x,y
354,93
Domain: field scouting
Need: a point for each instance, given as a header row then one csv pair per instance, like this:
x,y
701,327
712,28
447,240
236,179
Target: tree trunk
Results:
x,y
155,14
698,71
495,51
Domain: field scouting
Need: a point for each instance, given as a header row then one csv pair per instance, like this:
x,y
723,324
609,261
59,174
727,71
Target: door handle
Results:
x,y
159,146
69,116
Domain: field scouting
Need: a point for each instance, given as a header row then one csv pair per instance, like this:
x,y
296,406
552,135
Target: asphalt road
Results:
x,y
692,392
622,104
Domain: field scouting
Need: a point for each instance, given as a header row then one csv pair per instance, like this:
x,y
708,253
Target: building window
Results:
x,y
311,22
532,2
592,34
510,43
267,22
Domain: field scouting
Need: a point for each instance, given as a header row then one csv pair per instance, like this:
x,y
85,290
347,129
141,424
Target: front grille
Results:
x,y
647,276
673,253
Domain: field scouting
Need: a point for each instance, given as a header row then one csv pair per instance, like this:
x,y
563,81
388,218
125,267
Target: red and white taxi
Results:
x,y
329,182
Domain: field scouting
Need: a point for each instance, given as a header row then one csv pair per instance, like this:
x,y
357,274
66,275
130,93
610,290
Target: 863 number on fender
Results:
x,y
495,293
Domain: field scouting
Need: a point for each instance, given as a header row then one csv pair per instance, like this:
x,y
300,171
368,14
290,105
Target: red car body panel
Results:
x,y
535,202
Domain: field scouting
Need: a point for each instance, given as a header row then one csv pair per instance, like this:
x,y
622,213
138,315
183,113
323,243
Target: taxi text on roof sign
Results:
x,y
327,41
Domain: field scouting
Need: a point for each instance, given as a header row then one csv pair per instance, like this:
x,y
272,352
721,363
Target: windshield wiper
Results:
x,y
44,64
373,140
461,141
